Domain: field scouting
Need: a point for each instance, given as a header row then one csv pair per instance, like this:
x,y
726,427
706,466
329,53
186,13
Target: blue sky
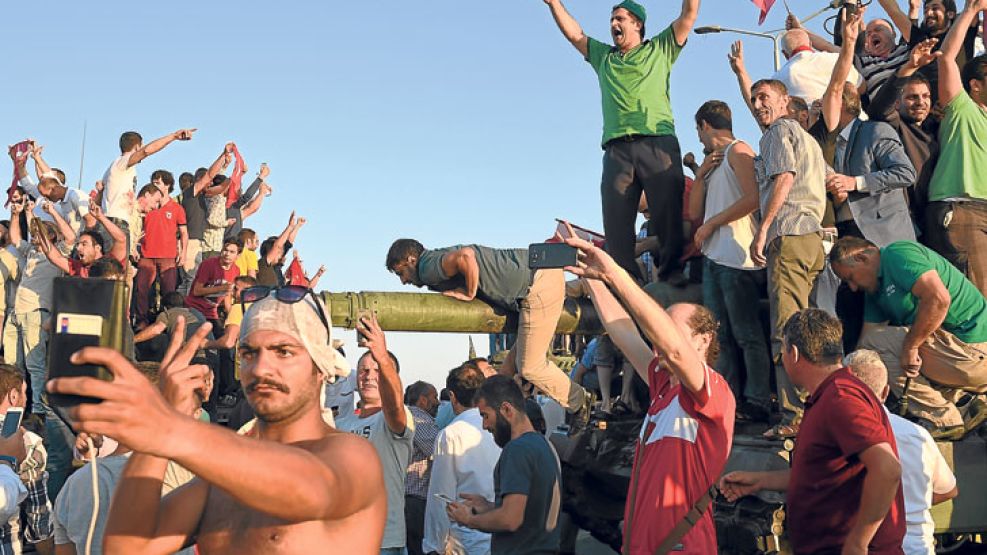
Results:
x,y
446,121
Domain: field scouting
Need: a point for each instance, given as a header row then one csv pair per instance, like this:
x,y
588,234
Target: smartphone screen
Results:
x,y
12,421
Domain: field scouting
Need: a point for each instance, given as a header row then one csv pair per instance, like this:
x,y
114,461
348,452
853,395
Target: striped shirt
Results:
x,y
876,70
787,148
420,469
33,524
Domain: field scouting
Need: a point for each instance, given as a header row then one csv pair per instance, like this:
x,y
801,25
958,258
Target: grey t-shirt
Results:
x,y
528,466
504,274
787,148
395,455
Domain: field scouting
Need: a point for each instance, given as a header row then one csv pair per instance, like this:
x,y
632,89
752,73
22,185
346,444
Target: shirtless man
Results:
x,y
297,486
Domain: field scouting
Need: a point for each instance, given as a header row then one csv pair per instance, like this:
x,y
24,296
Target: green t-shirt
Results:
x,y
962,167
902,263
504,274
634,87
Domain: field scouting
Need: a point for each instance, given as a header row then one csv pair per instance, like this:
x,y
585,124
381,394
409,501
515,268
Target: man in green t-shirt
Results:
x,y
502,279
641,150
956,216
929,324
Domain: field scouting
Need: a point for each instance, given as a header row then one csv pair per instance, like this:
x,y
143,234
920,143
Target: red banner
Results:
x,y
19,148
233,193
765,6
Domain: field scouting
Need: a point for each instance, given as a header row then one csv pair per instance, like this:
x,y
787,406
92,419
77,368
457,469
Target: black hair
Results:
x,y
716,114
172,299
464,381
497,390
401,250
129,140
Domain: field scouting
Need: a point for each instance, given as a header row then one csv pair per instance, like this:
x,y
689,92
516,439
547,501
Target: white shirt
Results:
x,y
463,462
119,188
730,244
924,471
807,74
72,208
36,289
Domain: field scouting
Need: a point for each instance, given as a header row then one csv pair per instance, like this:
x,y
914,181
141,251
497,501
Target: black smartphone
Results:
x,y
550,255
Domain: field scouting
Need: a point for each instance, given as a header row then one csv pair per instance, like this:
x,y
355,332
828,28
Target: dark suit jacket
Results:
x,y
874,151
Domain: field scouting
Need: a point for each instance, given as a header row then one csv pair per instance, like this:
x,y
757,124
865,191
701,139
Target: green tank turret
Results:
x,y
432,312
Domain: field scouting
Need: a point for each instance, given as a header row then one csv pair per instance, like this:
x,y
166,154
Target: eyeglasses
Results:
x,y
288,294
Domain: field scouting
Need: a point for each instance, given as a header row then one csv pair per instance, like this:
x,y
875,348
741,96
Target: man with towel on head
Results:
x,y
295,485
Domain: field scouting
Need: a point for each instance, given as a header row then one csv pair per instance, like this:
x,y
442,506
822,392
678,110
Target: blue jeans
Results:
x,y
393,551
59,440
25,345
733,296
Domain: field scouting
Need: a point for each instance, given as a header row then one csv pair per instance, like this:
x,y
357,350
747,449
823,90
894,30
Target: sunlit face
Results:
x,y
88,250
407,270
147,203
431,401
625,29
937,19
368,380
227,256
279,378
916,102
878,38
769,104
859,275
495,423
160,184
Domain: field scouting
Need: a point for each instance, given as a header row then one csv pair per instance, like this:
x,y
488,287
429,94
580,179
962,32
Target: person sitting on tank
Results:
x,y
929,324
688,431
501,278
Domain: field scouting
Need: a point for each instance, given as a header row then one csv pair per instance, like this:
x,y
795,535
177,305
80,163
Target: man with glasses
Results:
x,y
299,489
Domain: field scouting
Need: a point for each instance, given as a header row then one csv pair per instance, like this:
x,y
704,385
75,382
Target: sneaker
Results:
x,y
944,433
976,414
580,418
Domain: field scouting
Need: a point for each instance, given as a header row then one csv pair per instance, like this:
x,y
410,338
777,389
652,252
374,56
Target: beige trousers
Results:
x,y
539,316
950,367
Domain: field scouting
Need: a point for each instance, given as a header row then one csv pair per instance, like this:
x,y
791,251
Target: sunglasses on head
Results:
x,y
288,294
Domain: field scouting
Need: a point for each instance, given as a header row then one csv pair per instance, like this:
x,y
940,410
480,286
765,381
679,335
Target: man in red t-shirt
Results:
x,y
162,249
686,437
844,488
214,282
89,246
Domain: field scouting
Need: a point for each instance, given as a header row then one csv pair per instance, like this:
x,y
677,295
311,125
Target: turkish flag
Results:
x,y
19,148
295,275
765,6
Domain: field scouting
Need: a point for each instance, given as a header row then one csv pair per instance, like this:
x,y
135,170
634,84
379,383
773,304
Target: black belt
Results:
x,y
627,139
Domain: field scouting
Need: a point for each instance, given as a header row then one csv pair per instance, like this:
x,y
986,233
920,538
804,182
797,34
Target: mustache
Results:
x,y
252,387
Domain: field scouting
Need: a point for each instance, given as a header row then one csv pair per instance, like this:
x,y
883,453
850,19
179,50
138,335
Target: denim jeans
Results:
x,y
59,440
393,551
733,296
26,346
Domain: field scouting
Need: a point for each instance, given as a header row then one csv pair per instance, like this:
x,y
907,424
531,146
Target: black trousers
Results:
x,y
414,516
652,165
850,304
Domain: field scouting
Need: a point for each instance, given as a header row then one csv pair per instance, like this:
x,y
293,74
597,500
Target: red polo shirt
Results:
x,y
681,452
161,230
842,419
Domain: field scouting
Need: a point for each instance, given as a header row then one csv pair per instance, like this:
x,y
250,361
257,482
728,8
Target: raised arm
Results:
x,y
950,80
41,167
462,262
900,19
682,26
620,327
255,203
314,282
277,249
736,57
682,359
391,398
883,106
569,26
119,249
832,99
68,234
157,145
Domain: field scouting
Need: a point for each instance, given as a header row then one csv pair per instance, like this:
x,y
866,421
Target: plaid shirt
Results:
x,y
34,523
420,469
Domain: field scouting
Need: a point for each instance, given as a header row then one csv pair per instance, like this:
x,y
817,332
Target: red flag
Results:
x,y
765,6
19,148
597,239
295,275
233,193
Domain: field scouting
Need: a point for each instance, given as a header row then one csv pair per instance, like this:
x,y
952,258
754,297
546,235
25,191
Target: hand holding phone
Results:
x,y
12,421
551,255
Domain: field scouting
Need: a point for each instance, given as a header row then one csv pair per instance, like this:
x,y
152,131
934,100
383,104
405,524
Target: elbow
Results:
x,y
513,521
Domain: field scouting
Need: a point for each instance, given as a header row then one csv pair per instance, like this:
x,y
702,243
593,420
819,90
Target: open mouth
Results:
x,y
617,32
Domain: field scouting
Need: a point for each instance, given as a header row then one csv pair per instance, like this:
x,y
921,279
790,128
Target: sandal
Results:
x,y
780,432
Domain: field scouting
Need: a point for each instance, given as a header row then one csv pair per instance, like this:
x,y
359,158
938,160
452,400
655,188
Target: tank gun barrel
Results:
x,y
433,312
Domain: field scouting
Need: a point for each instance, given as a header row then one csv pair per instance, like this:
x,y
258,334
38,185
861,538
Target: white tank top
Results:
x,y
730,244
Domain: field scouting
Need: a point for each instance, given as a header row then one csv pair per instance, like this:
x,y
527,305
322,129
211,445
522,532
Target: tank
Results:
x,y
597,459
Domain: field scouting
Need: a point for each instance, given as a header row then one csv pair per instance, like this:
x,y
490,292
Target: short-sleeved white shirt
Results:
x,y
924,471
119,188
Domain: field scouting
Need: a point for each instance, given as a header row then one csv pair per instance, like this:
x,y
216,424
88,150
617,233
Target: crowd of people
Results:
x,y
853,227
